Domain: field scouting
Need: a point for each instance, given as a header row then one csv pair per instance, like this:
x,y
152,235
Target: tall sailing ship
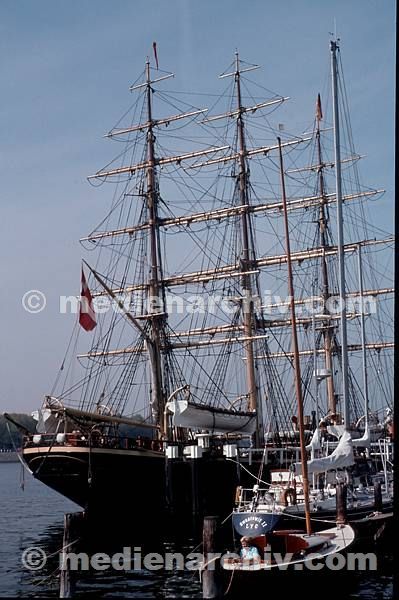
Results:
x,y
189,374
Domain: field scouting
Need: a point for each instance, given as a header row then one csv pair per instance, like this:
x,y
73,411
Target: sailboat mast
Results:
x,y
246,260
154,347
340,241
297,367
363,337
324,272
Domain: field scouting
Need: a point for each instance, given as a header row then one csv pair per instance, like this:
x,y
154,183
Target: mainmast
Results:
x,y
340,241
246,259
325,292
154,314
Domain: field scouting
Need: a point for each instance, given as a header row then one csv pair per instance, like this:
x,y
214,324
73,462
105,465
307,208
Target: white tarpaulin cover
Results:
x,y
315,441
365,439
341,457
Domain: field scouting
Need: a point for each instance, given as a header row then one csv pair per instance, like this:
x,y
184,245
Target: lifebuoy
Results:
x,y
289,493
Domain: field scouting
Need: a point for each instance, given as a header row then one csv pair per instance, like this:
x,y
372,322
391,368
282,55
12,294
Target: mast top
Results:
x,y
148,80
334,43
238,71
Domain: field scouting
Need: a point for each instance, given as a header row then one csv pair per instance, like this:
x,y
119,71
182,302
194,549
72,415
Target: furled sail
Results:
x,y
364,440
215,420
340,458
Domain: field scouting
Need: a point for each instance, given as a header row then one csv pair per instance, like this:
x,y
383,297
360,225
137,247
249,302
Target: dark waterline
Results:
x,y
34,517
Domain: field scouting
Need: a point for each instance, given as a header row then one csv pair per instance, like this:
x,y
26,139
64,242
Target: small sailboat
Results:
x,y
286,548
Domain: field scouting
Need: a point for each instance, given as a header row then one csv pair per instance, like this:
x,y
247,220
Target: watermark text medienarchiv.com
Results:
x,y
272,305
35,559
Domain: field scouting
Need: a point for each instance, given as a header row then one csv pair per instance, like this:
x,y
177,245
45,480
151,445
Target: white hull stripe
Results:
x,y
79,450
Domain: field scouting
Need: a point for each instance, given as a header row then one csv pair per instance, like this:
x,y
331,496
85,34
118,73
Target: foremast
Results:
x,y
156,303
247,262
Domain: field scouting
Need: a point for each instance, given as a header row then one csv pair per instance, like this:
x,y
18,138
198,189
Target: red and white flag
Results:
x,y
319,112
87,316
154,46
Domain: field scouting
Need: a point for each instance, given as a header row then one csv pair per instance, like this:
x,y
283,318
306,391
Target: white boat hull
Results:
x,y
194,416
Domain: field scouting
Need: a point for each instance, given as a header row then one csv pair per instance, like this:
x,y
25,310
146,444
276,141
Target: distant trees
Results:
x,y
8,442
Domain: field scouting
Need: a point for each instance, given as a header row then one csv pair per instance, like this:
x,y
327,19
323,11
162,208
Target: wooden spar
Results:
x,y
266,324
253,152
324,165
247,258
377,346
159,161
235,113
323,225
225,213
97,418
182,157
154,349
297,367
234,73
233,340
150,81
21,428
233,270
156,123
300,301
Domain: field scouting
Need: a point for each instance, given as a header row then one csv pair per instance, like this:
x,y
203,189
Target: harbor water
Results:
x,y
31,515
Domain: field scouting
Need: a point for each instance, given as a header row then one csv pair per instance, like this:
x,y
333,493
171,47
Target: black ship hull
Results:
x,y
136,488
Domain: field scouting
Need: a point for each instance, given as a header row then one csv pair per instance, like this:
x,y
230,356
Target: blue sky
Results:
x,y
65,70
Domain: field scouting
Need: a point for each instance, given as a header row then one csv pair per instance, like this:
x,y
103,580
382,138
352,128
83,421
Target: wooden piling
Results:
x,y
211,572
195,493
72,522
341,495
377,496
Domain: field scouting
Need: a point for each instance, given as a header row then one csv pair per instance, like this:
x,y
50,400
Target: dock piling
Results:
x,y
341,494
210,574
67,583
377,497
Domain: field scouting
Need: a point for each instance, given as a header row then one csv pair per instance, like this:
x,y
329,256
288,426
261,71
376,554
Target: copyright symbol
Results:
x,y
33,558
34,301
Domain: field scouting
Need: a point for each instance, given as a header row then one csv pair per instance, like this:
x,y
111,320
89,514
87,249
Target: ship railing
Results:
x,y
250,499
91,440
277,456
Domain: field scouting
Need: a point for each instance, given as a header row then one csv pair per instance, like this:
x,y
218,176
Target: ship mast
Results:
x,y
340,241
246,260
156,316
297,367
325,293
